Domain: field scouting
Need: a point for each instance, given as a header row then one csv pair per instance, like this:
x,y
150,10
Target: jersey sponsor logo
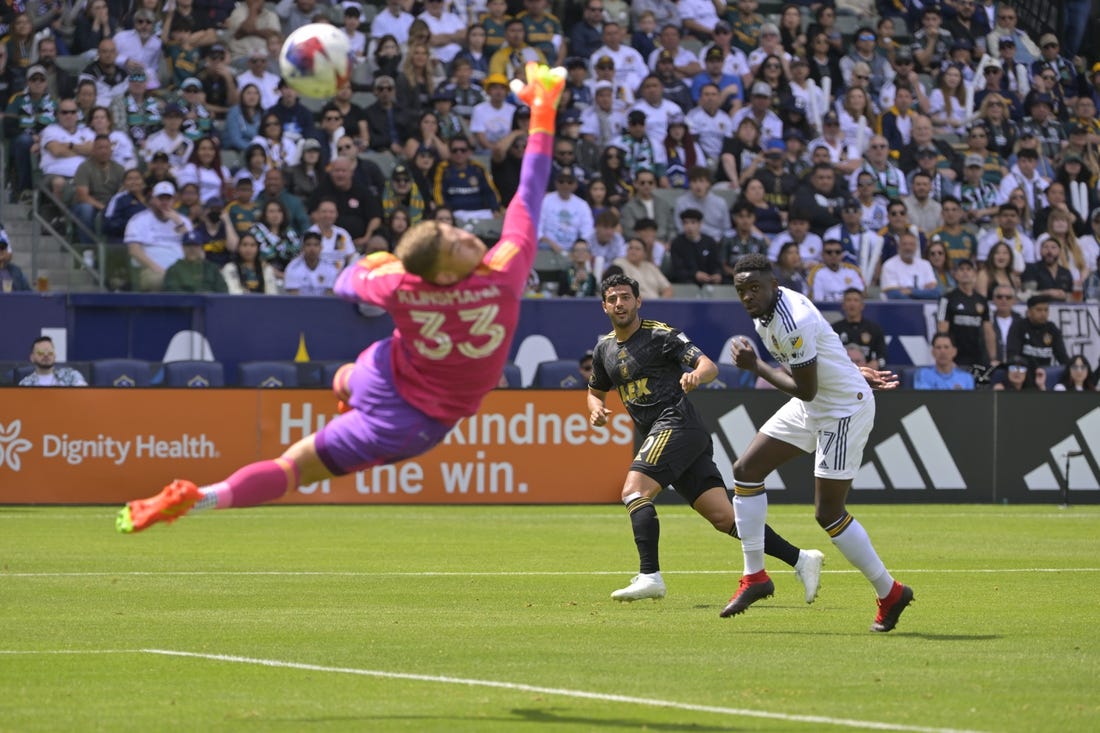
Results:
x,y
1068,465
633,391
909,456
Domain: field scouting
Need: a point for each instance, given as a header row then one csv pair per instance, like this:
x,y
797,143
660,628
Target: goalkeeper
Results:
x,y
455,304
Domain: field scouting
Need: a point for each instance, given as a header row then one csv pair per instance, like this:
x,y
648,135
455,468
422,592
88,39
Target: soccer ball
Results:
x,y
316,60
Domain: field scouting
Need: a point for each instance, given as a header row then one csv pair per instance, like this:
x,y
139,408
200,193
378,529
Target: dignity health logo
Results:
x,y
11,445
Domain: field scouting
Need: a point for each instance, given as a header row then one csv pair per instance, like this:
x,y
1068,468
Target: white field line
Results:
x,y
563,692
501,574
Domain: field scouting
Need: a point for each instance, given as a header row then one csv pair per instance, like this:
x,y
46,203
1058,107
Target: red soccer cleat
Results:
x,y
174,500
752,589
890,607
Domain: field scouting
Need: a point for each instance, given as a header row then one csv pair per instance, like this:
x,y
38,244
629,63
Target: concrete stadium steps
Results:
x,y
54,262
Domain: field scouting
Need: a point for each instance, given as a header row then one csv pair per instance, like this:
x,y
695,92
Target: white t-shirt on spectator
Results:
x,y
445,24
630,67
386,24
160,240
268,85
299,277
896,273
494,123
63,166
130,48
566,220
337,248
210,185
178,148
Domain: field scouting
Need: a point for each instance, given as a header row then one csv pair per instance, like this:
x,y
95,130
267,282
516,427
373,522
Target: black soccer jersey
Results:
x,y
646,371
966,316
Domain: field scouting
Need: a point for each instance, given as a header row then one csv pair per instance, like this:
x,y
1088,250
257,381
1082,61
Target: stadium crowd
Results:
x,y
901,150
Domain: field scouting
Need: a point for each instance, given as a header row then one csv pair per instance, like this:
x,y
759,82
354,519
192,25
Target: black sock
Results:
x,y
778,547
647,533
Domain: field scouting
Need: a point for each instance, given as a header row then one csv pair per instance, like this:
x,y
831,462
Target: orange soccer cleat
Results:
x,y
174,500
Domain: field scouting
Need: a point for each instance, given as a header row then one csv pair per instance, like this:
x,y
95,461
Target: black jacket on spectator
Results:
x,y
689,257
355,207
1040,344
378,124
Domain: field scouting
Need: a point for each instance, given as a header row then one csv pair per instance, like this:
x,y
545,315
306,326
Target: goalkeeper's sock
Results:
x,y
256,483
647,531
851,539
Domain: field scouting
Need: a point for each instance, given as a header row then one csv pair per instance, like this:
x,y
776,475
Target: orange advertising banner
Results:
x,y
106,446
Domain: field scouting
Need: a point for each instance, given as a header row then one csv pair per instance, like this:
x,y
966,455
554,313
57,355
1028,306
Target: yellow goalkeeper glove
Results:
x,y
541,93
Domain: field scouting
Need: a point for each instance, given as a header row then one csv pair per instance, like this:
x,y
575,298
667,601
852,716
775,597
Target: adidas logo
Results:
x,y
738,429
1069,454
903,466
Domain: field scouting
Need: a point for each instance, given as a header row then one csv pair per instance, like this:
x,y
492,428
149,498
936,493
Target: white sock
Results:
x,y
851,539
750,506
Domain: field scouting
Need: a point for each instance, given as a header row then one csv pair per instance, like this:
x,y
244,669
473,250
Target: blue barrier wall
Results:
x,y
246,328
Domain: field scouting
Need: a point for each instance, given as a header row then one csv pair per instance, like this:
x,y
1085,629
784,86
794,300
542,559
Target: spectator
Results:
x,y
1077,377
644,205
1047,277
210,229
219,85
492,119
829,280
906,275
193,273
29,113
448,31
354,116
295,13
578,279
306,175
257,75
385,122
359,210
943,374
248,272
637,265
204,168
890,182
61,83
797,233
401,193
1021,376
417,81
124,205
695,256
138,112
122,147
170,140
337,246
716,215
180,52
1008,232
198,119
709,124
464,186
565,217
92,26
46,373
95,181
608,244
296,119
745,238
1035,338
155,237
923,140
1026,50
65,144
242,122
249,27
278,240
281,150
818,201
936,254
308,274
855,330
861,247
392,20
586,37
1003,299
139,49
682,153
11,276
788,268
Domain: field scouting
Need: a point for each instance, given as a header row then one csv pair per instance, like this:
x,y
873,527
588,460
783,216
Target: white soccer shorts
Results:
x,y
836,442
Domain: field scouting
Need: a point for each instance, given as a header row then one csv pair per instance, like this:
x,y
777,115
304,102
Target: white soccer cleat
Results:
x,y
643,585
808,570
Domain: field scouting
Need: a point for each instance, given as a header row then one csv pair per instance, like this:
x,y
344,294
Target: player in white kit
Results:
x,y
830,415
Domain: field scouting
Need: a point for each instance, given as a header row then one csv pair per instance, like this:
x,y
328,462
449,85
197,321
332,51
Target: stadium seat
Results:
x,y
907,375
559,374
194,374
686,290
728,195
1054,375
671,195
270,374
531,352
121,373
513,376
21,371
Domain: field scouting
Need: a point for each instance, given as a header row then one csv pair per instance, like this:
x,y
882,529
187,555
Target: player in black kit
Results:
x,y
653,366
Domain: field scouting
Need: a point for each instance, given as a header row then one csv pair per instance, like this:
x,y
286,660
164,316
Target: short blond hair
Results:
x,y
419,249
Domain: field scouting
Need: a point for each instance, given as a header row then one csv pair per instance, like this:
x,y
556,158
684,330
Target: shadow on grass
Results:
x,y
551,716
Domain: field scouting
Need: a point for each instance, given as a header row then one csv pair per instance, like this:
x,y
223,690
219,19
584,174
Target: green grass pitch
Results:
x,y
498,619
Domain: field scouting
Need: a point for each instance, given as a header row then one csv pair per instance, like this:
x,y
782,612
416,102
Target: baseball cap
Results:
x,y
722,27
259,53
570,116
1072,158
576,62
603,85
1048,39
401,171
775,145
769,29
903,53
691,214
851,204
190,83
605,61
1078,130
164,188
443,95
523,111
36,70
160,155
761,89
214,202
962,44
666,55
496,79
174,109
1041,99
963,262
1006,41
830,118
714,54
217,48
676,118
137,76
927,153
311,144
311,234
793,133
636,116
975,160
932,9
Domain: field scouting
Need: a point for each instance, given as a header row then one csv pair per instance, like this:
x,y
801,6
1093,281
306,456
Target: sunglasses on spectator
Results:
x,y
1003,296
345,147
1017,369
383,88
330,118
462,149
831,251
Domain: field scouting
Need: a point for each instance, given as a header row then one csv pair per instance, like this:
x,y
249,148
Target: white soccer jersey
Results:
x,y
796,335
